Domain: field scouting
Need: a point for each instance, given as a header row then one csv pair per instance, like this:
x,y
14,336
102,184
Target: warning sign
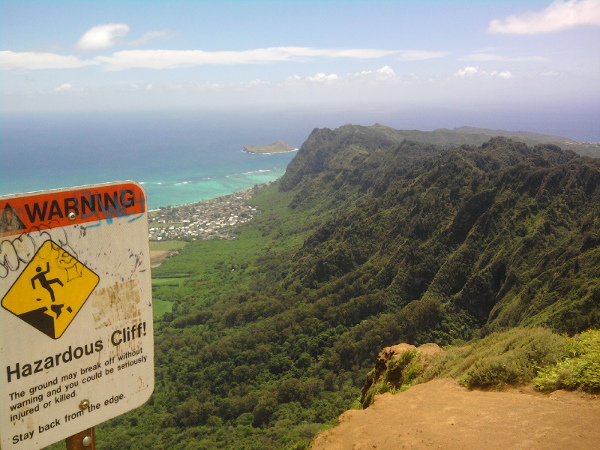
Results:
x,y
51,290
10,221
76,322
69,207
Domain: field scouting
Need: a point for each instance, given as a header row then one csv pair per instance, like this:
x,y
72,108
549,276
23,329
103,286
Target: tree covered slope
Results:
x,y
368,240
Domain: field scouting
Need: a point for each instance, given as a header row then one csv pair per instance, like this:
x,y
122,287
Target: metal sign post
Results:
x,y
76,330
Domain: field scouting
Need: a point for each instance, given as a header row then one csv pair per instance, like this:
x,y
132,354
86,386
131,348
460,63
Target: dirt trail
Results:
x,y
442,414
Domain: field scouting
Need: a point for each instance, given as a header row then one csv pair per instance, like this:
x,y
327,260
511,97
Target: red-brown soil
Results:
x,y
441,414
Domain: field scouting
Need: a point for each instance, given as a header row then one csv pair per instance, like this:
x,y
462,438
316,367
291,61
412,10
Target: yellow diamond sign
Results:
x,y
51,290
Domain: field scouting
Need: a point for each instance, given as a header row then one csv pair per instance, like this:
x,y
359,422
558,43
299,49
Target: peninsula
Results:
x,y
274,147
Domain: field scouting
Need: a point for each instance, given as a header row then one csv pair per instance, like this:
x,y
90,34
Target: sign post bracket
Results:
x,y
84,440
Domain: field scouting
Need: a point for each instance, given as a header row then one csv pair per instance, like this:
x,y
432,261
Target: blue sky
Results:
x,y
129,55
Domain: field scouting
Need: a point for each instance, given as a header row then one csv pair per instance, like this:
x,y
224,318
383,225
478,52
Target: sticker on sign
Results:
x,y
76,333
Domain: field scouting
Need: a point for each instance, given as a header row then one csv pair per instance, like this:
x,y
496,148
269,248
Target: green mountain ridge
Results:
x,y
525,134
517,208
369,239
468,135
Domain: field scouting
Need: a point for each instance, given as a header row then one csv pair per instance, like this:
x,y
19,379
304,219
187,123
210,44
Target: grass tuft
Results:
x,y
504,358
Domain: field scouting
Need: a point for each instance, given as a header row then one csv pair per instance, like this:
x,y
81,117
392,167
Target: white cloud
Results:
x,y
471,72
558,16
383,74
356,53
171,59
483,56
150,36
324,78
467,72
419,55
38,61
193,87
102,36
387,71
64,87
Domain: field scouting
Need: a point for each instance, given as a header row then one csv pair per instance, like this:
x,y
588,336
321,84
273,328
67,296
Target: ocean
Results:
x,y
179,158
184,157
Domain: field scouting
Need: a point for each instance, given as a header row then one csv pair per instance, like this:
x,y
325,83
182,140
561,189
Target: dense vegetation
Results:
x,y
368,240
578,368
518,356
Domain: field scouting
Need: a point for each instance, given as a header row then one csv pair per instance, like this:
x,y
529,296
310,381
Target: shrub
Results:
x,y
510,357
399,374
578,369
497,371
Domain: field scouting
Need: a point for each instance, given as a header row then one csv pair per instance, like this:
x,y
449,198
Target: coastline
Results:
x,y
170,229
178,193
207,219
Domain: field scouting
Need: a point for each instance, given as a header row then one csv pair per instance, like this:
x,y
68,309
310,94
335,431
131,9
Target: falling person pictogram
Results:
x,y
45,283
51,290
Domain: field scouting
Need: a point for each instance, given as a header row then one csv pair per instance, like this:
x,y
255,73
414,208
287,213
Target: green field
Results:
x,y
172,281
167,245
161,307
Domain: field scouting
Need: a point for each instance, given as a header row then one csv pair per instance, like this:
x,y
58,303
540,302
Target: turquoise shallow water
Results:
x,y
182,192
178,158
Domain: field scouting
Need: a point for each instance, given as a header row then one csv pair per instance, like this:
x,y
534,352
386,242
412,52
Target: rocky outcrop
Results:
x,y
396,366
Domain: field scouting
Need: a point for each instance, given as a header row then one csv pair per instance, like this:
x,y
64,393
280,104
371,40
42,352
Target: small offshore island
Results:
x,y
274,147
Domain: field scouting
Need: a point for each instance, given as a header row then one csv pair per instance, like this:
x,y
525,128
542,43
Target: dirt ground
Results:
x,y
443,415
159,256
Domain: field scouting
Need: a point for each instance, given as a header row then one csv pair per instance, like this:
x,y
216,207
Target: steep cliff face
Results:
x,y
352,155
472,234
